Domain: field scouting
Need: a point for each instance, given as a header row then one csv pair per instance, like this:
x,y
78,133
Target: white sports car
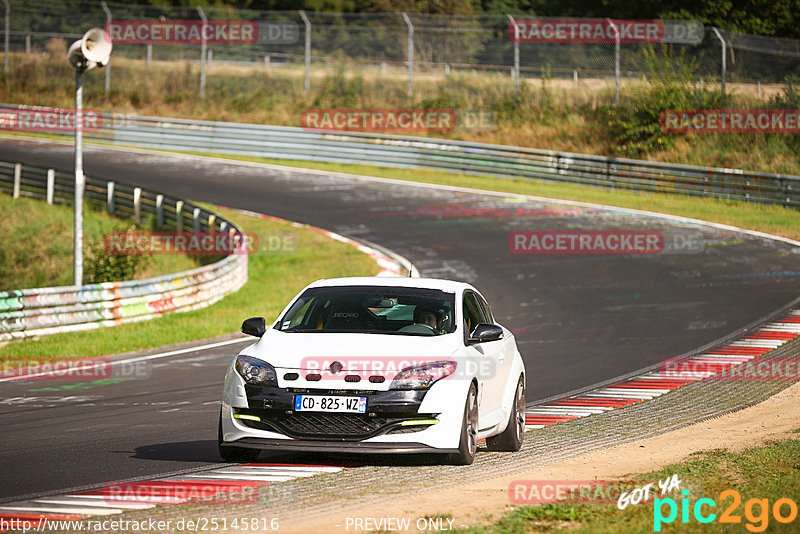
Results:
x,y
377,365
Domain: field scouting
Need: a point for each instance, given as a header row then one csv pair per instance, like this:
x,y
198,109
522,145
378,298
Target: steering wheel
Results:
x,y
419,328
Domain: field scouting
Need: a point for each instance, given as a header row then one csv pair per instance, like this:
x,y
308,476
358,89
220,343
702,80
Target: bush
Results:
x,y
99,266
634,127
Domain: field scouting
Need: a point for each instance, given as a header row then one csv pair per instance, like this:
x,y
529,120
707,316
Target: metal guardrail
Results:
x,y
284,142
42,311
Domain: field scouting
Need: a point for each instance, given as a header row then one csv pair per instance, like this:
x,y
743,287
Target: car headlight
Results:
x,y
254,371
423,376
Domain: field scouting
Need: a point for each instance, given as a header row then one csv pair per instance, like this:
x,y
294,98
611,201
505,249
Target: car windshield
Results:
x,y
372,310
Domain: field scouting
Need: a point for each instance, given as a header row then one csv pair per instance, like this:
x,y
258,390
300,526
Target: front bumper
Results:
x,y
270,421
271,409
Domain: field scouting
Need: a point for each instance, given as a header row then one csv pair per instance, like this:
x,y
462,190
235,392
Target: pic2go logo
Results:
x,y
756,511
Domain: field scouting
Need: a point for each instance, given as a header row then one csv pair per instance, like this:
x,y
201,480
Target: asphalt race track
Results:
x,y
579,318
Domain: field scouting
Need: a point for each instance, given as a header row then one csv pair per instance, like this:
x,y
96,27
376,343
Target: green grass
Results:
x,y
771,472
274,278
775,220
548,114
40,252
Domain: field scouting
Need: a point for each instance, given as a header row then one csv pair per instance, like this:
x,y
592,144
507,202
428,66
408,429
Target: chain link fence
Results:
x,y
402,46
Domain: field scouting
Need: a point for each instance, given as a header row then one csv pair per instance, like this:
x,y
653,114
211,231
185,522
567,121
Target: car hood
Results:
x,y
311,351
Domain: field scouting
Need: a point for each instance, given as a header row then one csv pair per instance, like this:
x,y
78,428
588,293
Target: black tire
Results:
x,y
511,438
468,444
230,453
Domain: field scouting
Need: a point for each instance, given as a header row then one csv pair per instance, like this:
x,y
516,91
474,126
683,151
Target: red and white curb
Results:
x,y
238,482
653,384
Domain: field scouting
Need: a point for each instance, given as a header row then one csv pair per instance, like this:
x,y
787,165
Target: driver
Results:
x,y
428,316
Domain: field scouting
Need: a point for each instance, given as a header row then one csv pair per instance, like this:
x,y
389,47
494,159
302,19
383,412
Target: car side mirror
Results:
x,y
254,326
485,332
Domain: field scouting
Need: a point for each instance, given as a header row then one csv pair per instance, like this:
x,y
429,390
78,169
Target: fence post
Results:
x,y
202,52
516,55
267,64
159,211
110,198
8,29
17,179
149,54
210,60
575,79
137,205
724,61
222,226
51,185
107,86
211,220
179,216
616,60
28,44
410,53
308,49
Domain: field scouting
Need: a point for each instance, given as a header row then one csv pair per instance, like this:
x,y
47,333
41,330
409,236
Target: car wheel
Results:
x,y
511,438
234,454
468,443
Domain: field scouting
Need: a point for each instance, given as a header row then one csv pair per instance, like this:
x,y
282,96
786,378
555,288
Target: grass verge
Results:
x,y
40,253
770,472
274,277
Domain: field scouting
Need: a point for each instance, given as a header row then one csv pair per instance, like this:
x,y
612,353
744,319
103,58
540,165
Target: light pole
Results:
x,y
93,50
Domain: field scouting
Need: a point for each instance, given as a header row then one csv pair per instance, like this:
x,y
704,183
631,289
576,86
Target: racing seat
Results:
x,y
347,317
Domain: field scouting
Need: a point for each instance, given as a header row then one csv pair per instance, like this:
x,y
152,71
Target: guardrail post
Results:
x,y
202,52
110,198
149,57
137,205
267,63
210,59
516,55
724,61
159,211
27,44
410,54
308,48
107,86
179,216
196,219
574,79
17,179
51,185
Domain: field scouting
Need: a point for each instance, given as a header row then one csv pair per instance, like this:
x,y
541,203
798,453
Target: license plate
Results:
x,y
320,403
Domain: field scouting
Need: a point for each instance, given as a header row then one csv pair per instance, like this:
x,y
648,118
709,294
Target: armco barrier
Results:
x,y
35,312
284,142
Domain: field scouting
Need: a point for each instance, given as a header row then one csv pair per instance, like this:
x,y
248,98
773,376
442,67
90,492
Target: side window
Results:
x,y
473,314
487,313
